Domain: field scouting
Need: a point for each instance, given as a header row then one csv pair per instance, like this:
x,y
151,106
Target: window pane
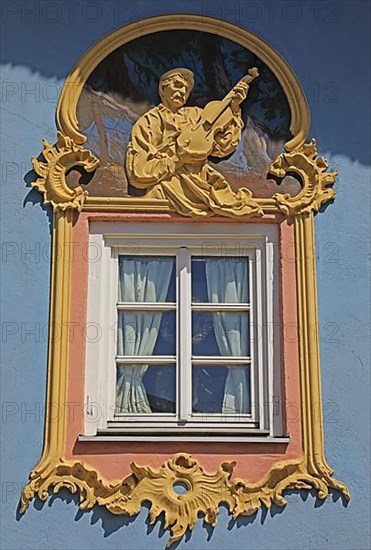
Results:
x,y
219,389
220,279
146,278
143,389
146,333
221,333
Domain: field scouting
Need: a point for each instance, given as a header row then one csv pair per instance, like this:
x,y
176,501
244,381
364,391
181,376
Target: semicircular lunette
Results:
x,y
114,87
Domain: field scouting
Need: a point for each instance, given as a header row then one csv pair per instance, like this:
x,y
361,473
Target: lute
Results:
x,y
198,142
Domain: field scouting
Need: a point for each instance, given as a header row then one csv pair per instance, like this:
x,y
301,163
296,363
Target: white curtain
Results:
x,y
141,280
227,282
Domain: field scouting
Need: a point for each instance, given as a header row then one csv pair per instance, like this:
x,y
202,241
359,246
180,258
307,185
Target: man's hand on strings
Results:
x,y
240,93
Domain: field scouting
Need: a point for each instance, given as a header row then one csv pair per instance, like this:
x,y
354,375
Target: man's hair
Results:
x,y
184,73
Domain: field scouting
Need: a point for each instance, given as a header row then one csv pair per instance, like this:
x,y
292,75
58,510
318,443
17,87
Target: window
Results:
x,y
187,341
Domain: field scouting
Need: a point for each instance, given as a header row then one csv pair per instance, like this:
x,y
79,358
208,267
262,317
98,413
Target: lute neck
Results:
x,y
225,102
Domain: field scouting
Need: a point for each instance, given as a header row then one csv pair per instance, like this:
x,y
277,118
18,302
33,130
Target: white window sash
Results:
x,y
103,280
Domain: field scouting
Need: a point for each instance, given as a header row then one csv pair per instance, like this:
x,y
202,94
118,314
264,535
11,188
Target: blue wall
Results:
x,y
326,44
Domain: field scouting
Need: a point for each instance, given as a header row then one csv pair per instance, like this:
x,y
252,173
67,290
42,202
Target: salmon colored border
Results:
x,y
112,459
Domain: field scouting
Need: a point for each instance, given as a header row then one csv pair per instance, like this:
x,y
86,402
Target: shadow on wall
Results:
x,y
346,54
36,198
111,523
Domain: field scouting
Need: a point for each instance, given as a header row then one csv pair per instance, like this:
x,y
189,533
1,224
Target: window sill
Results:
x,y
223,438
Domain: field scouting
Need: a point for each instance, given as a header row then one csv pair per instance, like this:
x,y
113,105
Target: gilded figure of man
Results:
x,y
162,162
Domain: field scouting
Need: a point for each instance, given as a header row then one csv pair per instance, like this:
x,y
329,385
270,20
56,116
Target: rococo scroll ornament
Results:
x,y
316,181
202,492
165,152
59,159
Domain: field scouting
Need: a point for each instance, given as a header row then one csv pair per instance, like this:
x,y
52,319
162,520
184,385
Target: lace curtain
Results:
x,y
227,283
141,280
147,280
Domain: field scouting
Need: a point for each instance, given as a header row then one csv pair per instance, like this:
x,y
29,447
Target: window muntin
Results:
x,y
220,334
256,366
221,383
146,328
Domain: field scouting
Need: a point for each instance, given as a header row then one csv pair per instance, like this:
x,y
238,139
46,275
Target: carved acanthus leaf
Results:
x,y
203,495
312,172
58,159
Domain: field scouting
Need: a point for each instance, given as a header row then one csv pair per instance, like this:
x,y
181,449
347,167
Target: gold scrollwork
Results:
x,y
316,181
312,171
283,476
60,158
203,492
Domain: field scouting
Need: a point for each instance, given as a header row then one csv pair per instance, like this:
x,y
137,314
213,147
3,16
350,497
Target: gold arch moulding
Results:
x,y
66,110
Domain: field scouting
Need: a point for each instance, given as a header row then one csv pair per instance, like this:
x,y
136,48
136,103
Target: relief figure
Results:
x,y
170,146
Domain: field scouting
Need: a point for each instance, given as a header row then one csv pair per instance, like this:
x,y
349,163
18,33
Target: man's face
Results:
x,y
175,92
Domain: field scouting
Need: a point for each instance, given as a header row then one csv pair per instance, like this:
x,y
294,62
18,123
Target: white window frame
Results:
x,y
107,241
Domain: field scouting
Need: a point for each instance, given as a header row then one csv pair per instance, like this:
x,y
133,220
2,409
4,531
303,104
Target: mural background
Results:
x,y
124,86
324,42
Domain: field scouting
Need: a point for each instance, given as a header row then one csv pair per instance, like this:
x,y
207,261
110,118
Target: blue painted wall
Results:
x,y
326,44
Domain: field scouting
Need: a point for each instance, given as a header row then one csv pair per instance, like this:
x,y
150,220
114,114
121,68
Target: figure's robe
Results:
x,y
194,188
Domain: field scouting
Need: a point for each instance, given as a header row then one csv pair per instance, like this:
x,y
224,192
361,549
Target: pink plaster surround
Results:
x,y
112,459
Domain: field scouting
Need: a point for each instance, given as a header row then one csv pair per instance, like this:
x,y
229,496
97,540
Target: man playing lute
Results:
x,y
170,145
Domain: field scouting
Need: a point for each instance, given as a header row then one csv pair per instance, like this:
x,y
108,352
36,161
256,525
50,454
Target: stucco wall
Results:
x,y
326,45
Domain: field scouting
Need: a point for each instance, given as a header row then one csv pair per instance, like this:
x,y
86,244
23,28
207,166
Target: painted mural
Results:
x,y
125,86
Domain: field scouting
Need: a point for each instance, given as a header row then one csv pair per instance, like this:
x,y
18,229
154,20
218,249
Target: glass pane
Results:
x,y
219,389
146,279
220,333
146,333
143,389
220,279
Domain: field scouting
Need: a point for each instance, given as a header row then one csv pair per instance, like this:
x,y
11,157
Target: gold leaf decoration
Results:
x,y
316,181
204,491
60,158
283,476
